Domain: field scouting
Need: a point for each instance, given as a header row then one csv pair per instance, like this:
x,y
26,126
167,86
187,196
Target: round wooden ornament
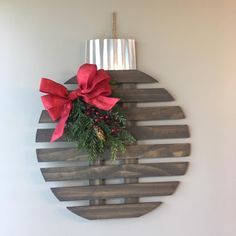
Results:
x,y
126,180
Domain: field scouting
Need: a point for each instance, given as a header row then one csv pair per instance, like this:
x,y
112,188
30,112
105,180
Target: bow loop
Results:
x,y
53,88
94,88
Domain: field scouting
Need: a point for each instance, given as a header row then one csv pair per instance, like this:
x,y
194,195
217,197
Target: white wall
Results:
x,y
188,45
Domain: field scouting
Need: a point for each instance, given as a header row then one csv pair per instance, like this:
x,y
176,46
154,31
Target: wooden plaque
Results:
x,y
120,189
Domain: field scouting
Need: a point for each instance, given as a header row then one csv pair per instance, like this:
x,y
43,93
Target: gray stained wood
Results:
x,y
75,193
114,210
139,114
159,132
114,171
130,180
139,132
132,151
143,95
127,166
96,181
124,76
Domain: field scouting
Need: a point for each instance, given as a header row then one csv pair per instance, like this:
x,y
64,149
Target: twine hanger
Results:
x,y
114,32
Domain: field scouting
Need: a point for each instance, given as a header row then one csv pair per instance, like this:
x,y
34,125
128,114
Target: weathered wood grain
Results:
x,y
60,154
139,114
159,132
130,179
124,76
139,132
133,180
114,171
95,181
153,113
115,191
155,151
114,210
132,151
143,95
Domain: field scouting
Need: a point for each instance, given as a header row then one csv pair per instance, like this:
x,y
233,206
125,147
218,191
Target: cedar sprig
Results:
x,y
96,130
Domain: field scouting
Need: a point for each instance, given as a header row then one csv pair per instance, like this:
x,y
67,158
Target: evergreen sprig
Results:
x,y
96,130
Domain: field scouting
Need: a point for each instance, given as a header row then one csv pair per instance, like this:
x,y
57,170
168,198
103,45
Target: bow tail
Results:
x,y
59,130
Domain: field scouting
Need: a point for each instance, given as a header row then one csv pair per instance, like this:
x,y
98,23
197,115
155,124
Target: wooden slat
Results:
x,y
133,180
114,211
159,132
123,76
139,114
139,132
154,113
132,151
96,181
156,150
114,171
115,191
143,95
130,179
60,154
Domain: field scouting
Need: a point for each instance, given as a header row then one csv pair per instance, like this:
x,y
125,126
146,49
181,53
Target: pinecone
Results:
x,y
99,133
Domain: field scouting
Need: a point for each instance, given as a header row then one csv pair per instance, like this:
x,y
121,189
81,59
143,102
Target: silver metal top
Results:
x,y
111,54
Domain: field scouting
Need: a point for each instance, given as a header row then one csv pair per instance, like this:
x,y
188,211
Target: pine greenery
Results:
x,y
96,130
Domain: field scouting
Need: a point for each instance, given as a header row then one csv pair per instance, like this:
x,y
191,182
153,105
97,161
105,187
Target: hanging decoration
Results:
x,y
90,118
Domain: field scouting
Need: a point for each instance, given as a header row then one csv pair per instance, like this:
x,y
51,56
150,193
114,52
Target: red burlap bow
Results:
x,y
94,88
